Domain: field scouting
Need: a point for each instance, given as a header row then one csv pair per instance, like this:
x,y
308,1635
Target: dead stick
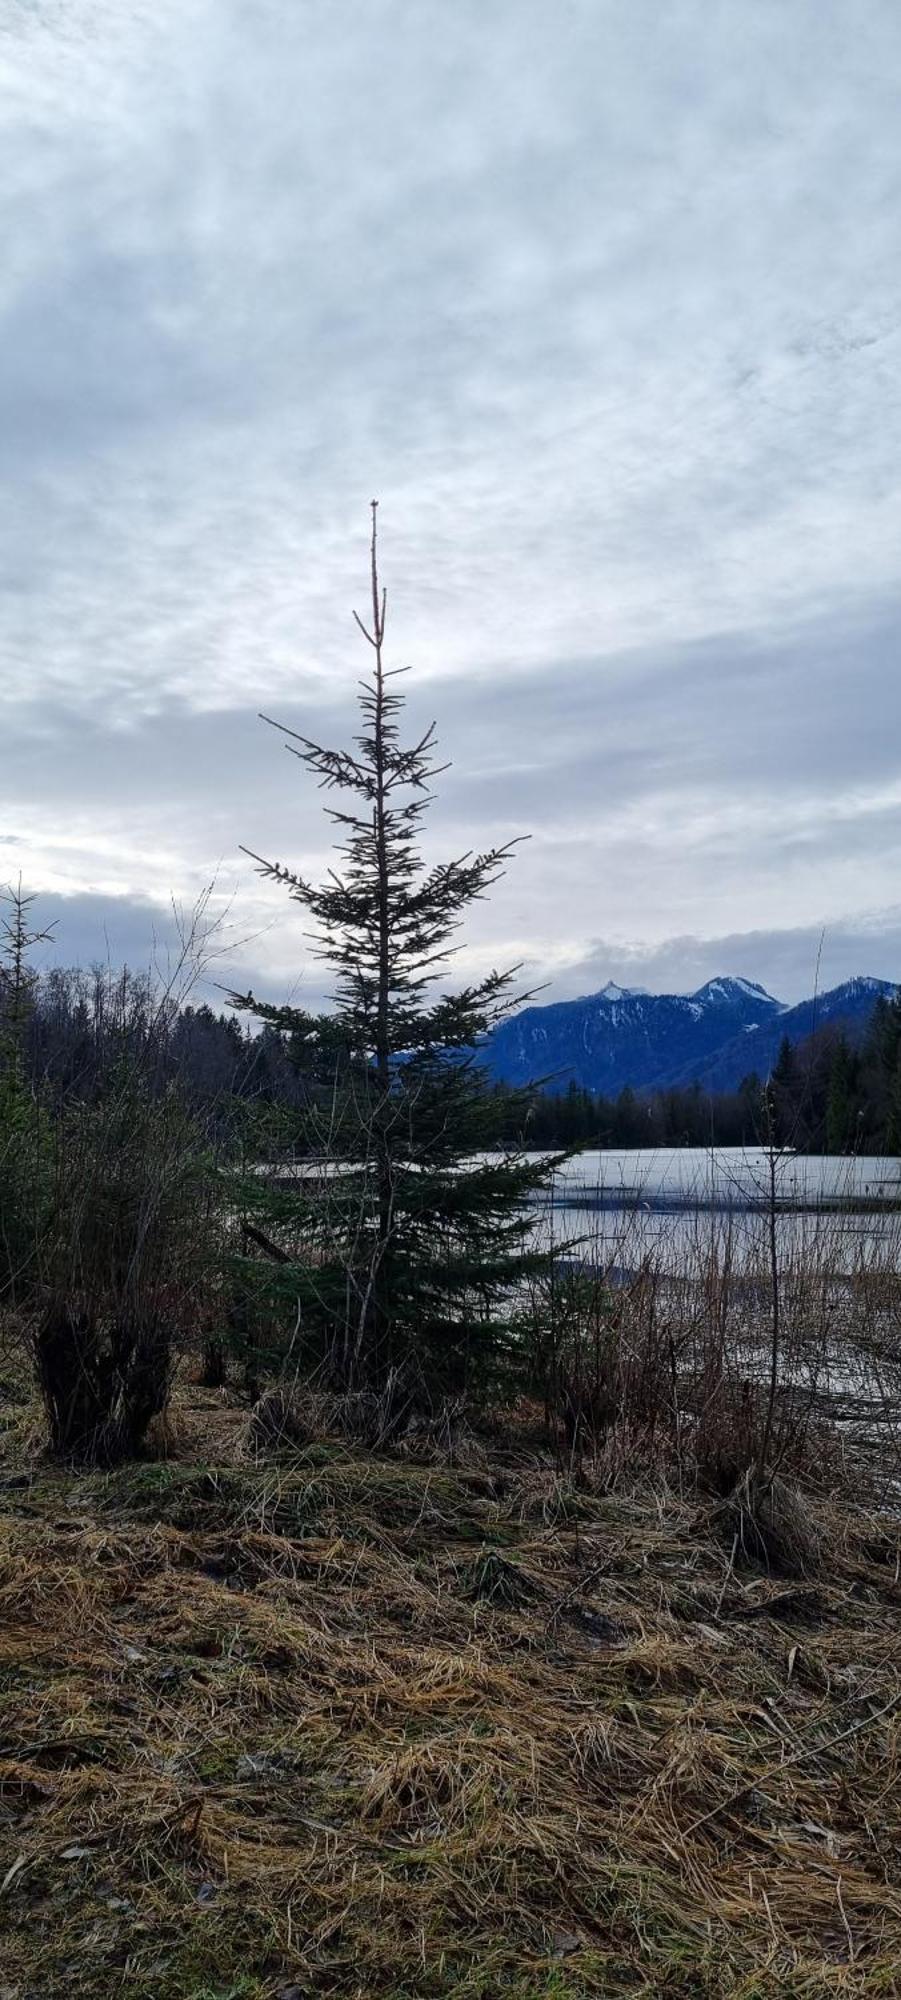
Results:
x,y
814,1750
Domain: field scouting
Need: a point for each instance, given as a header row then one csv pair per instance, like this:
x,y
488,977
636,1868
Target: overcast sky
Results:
x,y
603,300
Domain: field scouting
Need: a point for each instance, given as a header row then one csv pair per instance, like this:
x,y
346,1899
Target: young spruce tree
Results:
x,y
400,1249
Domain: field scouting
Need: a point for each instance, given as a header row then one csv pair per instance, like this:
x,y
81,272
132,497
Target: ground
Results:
x,y
323,1723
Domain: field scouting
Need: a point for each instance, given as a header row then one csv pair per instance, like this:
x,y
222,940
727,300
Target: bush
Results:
x,y
25,1185
125,1255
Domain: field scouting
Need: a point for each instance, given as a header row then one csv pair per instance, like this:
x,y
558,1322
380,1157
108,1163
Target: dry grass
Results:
x,y
329,1724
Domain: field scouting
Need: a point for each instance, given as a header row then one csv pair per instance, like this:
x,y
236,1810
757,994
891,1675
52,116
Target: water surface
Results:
x,y
620,1205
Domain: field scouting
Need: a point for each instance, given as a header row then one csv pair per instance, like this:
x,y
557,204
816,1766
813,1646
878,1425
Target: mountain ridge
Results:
x,y
624,1036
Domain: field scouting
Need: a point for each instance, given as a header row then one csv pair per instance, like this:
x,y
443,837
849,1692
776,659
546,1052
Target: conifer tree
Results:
x,y
784,1089
891,1137
407,1244
24,1134
840,1101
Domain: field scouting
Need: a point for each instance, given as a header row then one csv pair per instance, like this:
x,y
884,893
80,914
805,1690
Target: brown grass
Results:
x,y
322,1723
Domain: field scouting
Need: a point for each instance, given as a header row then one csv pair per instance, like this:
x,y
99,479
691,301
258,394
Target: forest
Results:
x,y
832,1092
828,1093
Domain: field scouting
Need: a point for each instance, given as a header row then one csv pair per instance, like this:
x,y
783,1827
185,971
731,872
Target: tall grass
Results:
x,y
710,1343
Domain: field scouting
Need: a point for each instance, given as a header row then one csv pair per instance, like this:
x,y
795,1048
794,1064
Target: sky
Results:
x,y
603,301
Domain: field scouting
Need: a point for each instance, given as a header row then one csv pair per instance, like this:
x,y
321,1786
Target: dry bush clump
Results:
x,y
773,1523
294,1415
261,1732
443,1436
699,1359
283,1416
105,1376
297,1413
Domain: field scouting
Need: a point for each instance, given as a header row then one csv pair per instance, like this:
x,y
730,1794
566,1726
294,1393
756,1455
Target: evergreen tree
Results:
x,y
753,1110
408,1241
840,1107
18,981
891,1136
24,1134
628,1119
784,1087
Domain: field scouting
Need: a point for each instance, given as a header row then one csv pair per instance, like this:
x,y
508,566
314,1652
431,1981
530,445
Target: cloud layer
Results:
x,y
604,303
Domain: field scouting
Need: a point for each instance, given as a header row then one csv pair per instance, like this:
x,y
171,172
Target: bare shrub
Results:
x,y
724,1350
295,1414
772,1523
122,1263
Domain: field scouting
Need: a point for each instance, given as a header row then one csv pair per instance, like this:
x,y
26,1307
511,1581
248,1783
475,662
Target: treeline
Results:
x,y
826,1094
79,1024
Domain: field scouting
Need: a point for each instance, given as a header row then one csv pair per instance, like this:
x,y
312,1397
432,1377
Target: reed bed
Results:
x,y
719,1335
319,1722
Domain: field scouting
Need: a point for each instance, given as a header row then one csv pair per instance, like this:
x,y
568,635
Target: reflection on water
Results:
x,y
726,1177
617,1207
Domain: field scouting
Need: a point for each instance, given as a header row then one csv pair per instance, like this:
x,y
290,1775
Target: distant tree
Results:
x,y
405,1248
840,1104
891,1129
629,1122
23,1124
784,1089
18,979
753,1115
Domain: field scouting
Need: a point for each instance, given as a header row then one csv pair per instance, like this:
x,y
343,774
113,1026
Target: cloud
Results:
x,y
665,794
603,302
798,962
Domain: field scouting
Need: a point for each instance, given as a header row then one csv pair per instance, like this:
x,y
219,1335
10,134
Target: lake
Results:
x,y
619,1205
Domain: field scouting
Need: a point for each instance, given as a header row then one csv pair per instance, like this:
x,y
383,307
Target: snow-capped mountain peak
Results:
x,y
864,983
622,1035
728,990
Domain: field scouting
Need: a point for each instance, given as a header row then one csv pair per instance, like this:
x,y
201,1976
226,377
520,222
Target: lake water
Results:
x,y
618,1206
615,1208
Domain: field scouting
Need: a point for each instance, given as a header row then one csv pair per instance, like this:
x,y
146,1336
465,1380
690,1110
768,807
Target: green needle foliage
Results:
x,y
402,1239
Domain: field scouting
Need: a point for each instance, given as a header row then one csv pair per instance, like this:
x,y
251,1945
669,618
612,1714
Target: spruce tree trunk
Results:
x,y
380,1331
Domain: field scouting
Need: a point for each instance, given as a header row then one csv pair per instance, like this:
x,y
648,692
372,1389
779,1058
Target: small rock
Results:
x,y
207,1893
565,1943
76,1853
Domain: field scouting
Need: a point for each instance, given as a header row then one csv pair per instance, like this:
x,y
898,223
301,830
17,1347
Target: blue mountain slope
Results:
x,y
848,1006
623,1036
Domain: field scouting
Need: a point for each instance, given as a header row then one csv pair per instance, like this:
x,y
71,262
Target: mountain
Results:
x,y
625,1036
848,1006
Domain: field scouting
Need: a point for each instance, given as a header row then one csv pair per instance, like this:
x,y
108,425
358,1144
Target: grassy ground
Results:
x,y
329,1724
